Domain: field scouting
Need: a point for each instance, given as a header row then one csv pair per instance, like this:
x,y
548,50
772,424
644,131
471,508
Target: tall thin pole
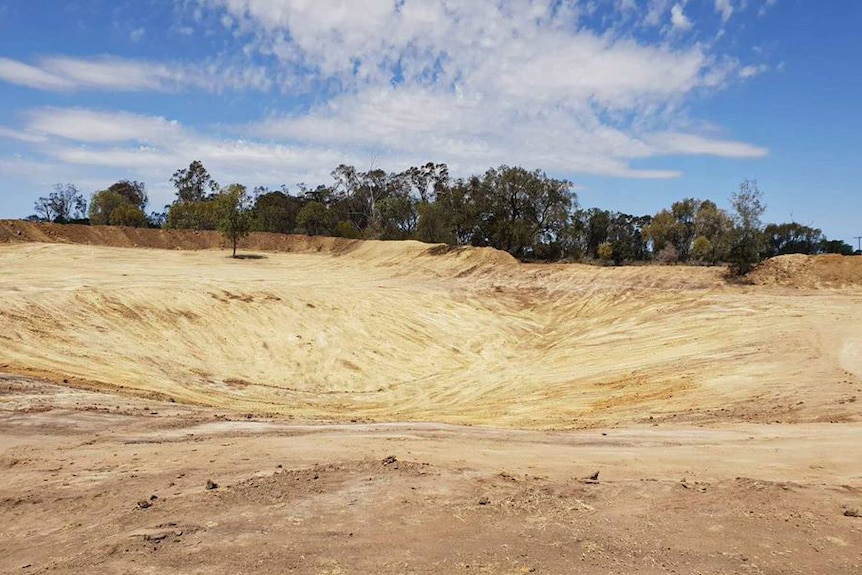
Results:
x,y
858,242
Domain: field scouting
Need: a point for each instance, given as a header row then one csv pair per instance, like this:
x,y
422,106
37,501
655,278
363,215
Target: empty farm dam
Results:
x,y
399,407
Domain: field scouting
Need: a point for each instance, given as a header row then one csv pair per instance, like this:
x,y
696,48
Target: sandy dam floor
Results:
x,y
373,407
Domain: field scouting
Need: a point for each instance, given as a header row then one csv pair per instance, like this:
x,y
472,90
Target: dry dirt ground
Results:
x,y
369,407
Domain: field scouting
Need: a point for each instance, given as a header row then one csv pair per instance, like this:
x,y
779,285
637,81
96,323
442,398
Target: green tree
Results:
x,y
597,230
746,238
517,210
626,235
193,183
203,215
791,238
713,224
135,192
345,229
103,204
836,247
435,224
315,219
275,211
128,215
234,208
702,249
63,205
398,217
606,252
676,227
661,231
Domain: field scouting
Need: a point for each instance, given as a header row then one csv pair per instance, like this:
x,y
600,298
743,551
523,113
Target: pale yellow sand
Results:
x,y
388,332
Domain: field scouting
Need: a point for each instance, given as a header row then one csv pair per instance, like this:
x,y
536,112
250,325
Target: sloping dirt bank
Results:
x,y
388,331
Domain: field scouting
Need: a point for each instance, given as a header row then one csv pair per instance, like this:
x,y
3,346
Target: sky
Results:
x,y
638,102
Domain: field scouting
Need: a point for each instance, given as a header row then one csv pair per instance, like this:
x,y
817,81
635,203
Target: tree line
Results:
x,y
527,213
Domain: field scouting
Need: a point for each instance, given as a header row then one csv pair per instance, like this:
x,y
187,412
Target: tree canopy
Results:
x,y
526,213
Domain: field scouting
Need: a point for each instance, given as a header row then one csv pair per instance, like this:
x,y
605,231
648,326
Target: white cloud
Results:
x,y
90,126
22,136
471,83
767,4
655,12
678,19
725,9
753,70
136,35
692,144
31,76
59,73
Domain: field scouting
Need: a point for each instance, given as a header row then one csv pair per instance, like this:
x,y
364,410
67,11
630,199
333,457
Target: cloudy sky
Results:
x,y
638,102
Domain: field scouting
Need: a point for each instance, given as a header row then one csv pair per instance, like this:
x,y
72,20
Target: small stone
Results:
x,y
211,485
143,504
852,513
484,501
592,479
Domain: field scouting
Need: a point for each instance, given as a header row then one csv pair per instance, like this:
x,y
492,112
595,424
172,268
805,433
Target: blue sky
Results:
x,y
638,102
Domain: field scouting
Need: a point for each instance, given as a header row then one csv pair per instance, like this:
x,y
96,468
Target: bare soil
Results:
x,y
365,407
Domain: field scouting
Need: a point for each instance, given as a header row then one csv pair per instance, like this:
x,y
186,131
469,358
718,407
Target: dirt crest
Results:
x,y
801,271
796,271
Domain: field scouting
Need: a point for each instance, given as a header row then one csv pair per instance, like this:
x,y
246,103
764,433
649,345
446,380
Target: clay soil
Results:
x,y
332,406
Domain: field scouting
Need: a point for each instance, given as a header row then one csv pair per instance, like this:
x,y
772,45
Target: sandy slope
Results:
x,y
401,331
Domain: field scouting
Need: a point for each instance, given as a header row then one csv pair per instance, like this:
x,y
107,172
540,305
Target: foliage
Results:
x,y
397,217
234,214
746,238
678,226
435,224
713,224
836,247
62,205
347,230
792,238
516,210
128,215
112,207
275,211
133,191
192,183
103,204
606,252
668,254
201,215
315,219
702,250
526,213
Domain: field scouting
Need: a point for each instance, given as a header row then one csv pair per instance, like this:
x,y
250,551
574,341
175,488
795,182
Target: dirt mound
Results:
x,y
803,271
446,261
123,237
